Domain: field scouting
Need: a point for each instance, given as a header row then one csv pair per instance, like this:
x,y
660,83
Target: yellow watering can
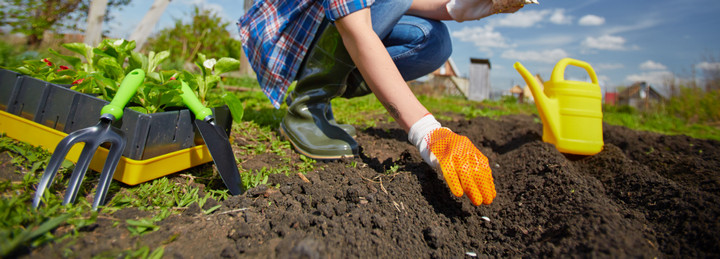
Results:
x,y
571,111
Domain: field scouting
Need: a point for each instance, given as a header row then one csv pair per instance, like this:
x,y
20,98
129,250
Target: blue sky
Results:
x,y
624,41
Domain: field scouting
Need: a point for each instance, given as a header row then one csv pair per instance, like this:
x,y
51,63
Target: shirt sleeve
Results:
x,y
335,9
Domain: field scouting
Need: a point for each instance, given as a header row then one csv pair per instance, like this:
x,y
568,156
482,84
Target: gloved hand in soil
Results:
x,y
464,10
465,168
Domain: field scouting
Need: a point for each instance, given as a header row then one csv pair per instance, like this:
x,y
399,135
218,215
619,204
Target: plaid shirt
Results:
x,y
276,35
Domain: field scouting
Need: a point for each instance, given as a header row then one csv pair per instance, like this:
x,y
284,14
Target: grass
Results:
x,y
21,226
659,122
364,111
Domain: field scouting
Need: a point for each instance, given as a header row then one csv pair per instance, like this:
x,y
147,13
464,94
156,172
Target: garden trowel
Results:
x,y
215,139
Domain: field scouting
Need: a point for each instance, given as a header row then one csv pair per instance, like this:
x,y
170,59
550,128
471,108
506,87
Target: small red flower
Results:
x,y
172,78
63,68
47,61
77,82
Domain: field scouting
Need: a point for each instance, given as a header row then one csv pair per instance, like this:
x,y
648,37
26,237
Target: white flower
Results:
x,y
118,42
210,63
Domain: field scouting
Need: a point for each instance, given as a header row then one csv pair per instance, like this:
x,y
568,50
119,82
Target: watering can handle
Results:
x,y
190,99
125,92
558,73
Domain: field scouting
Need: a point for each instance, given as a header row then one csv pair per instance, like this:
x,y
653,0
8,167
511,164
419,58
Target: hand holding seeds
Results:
x,y
463,10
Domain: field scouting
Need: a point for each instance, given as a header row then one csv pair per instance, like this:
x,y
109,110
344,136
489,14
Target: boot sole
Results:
x,y
308,154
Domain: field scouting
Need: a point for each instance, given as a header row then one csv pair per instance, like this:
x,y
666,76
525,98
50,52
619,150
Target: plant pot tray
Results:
x,y
129,171
158,144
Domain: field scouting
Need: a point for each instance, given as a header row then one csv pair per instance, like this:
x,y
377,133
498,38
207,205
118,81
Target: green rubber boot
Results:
x,y
309,123
356,86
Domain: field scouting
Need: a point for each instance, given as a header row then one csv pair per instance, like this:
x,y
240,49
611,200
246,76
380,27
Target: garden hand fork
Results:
x,y
92,137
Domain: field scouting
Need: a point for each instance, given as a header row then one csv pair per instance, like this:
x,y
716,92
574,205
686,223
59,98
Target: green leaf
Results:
x,y
62,79
73,61
138,60
157,253
210,210
111,68
154,76
141,223
142,226
157,59
171,98
236,107
24,70
211,81
138,109
28,234
109,53
226,64
130,45
201,58
78,47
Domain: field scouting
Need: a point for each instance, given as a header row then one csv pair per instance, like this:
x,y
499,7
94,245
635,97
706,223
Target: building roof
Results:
x,y
480,61
638,89
447,69
516,89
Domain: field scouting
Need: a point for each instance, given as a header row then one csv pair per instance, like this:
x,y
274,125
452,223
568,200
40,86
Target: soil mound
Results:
x,y
644,195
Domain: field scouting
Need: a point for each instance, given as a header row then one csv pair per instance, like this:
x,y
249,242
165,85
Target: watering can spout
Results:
x,y
532,82
547,108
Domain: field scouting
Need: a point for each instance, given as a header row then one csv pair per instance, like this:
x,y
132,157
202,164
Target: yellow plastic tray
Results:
x,y
129,171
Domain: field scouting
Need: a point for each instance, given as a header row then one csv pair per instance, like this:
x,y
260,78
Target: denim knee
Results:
x,y
418,46
438,39
386,13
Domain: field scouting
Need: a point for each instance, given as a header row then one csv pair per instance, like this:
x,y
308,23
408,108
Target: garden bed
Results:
x,y
644,195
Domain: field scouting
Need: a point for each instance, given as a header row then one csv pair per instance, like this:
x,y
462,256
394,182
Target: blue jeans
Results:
x,y
417,45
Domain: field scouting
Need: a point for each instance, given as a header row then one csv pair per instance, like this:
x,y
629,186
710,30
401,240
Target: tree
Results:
x,y
206,33
143,30
34,17
710,68
245,68
96,15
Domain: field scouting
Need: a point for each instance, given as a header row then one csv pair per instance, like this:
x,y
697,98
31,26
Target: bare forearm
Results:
x,y
432,9
378,69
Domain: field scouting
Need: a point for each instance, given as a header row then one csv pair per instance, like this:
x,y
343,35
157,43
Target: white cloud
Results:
x,y
218,9
553,40
642,24
605,42
608,66
522,19
603,80
708,66
546,56
591,20
652,65
526,19
654,78
193,2
558,17
484,37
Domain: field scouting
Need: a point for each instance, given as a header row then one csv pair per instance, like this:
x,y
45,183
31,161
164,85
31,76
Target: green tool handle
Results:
x,y
201,112
125,92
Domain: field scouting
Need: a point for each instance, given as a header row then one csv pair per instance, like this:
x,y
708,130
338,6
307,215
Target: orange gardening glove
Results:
x,y
464,167
466,170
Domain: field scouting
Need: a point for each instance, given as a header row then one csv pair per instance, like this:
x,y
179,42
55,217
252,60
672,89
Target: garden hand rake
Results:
x,y
92,137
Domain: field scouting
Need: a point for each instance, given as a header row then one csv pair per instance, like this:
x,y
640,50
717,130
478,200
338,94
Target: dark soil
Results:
x,y
644,195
